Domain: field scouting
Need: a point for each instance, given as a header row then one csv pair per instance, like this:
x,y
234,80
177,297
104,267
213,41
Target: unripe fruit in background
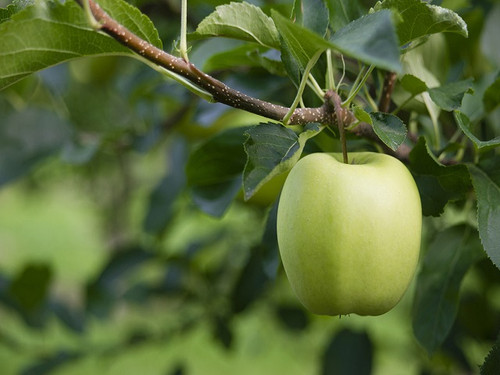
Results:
x,y
349,234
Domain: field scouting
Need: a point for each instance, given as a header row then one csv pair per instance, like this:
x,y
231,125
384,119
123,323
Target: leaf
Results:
x,y
300,42
389,128
240,21
51,363
81,150
132,18
465,125
87,113
370,39
244,55
473,104
362,115
450,255
489,35
27,138
269,245
250,284
160,210
107,287
488,212
72,317
491,365
449,97
222,331
272,149
343,12
267,62
437,184
293,68
292,316
13,8
53,32
30,288
315,16
419,19
414,64
260,269
215,178
349,352
413,84
491,97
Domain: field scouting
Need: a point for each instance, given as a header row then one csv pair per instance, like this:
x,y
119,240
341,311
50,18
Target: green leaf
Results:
x,y
293,68
413,84
272,149
450,255
370,39
215,178
292,316
251,282
132,18
488,212
270,64
465,124
437,184
389,128
30,288
52,33
160,208
315,16
491,365
343,12
101,292
26,138
419,19
349,352
301,43
244,55
52,362
491,97
490,29
87,113
240,21
362,115
13,8
449,97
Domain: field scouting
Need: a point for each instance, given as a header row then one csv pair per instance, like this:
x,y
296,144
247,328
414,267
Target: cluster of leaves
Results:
x,y
449,102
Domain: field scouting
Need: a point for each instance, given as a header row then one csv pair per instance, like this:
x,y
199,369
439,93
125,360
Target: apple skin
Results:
x,y
349,234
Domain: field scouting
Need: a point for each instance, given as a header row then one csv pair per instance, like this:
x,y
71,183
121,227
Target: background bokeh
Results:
x,y
109,266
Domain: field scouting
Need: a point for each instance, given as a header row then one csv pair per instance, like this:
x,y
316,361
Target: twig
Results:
x,y
341,118
388,88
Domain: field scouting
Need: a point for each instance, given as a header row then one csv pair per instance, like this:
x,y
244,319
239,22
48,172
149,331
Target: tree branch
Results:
x,y
219,91
388,88
224,94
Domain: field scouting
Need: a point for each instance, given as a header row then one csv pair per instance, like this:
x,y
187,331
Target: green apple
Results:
x,y
349,234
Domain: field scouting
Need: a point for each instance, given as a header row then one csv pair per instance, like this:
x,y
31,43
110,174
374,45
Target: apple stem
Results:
x,y
340,120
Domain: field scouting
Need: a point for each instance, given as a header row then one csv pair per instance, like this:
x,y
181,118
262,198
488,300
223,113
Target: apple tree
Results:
x,y
181,121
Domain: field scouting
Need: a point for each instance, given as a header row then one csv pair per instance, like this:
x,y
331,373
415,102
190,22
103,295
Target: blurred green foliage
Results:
x,y
109,265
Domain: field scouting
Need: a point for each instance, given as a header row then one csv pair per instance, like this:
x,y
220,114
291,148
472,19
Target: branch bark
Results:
x,y
388,88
